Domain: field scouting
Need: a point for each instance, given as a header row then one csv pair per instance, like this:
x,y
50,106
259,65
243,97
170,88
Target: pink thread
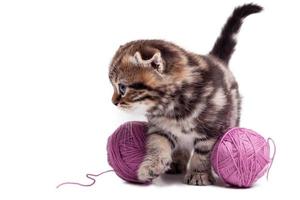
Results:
x,y
89,176
273,156
240,157
126,150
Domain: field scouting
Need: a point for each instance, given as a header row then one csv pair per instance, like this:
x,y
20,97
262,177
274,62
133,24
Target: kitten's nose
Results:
x,y
116,103
115,99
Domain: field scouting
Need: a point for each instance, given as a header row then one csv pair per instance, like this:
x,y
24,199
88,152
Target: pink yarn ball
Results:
x,y
126,149
241,157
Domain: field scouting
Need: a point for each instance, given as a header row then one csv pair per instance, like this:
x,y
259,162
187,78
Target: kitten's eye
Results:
x,y
122,88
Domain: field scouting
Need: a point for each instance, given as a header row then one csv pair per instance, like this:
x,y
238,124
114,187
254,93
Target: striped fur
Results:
x,y
189,99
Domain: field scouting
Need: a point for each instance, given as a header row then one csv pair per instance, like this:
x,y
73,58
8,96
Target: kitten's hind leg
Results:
x,y
180,158
199,169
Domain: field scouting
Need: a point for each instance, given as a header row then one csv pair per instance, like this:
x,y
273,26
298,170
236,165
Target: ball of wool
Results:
x,y
126,149
240,157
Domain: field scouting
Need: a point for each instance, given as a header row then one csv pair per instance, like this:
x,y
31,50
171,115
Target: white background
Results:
x,y
55,107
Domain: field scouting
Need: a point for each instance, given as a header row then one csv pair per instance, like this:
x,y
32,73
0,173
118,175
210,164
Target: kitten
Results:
x,y
189,99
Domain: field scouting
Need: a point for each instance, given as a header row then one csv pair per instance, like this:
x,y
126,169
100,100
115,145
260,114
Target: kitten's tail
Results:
x,y
225,44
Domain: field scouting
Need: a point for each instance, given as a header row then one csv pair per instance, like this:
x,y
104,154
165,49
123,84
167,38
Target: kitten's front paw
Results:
x,y
199,178
152,167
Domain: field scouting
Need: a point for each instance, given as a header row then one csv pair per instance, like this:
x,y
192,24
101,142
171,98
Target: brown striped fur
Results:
x,y
189,100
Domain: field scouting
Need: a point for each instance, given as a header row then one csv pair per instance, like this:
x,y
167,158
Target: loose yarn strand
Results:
x,y
274,153
89,176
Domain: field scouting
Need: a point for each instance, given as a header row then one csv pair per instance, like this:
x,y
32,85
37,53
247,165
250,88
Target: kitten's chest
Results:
x,y
181,130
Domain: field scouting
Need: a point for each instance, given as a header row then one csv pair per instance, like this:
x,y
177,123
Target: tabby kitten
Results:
x,y
189,99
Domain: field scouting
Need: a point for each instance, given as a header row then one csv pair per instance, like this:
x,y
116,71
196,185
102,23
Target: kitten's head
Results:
x,y
142,71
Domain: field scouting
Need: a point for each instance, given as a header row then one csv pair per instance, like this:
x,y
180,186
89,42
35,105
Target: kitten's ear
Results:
x,y
138,58
156,62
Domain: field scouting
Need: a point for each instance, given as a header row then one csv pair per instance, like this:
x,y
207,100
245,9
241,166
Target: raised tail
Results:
x,y
225,44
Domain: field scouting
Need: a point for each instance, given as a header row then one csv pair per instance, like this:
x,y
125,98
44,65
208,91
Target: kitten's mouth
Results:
x,y
124,107
137,109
